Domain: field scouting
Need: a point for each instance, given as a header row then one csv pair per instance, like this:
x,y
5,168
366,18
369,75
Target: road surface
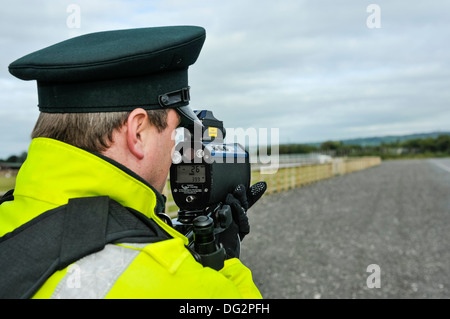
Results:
x,y
387,227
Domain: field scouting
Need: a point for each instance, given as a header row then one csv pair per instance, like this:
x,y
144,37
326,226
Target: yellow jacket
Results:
x,y
54,172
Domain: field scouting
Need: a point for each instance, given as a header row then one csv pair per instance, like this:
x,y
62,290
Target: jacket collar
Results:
x,y
55,171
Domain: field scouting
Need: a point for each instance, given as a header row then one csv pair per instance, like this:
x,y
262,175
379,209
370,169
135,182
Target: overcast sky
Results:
x,y
313,69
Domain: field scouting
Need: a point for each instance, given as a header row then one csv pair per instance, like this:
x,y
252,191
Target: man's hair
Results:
x,y
92,132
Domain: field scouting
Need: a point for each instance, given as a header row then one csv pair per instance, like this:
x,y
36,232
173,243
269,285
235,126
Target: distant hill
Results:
x,y
378,140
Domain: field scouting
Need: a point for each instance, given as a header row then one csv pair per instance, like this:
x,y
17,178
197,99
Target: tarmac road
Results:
x,y
317,241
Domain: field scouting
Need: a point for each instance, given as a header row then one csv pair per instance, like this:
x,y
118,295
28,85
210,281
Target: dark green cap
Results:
x,y
116,71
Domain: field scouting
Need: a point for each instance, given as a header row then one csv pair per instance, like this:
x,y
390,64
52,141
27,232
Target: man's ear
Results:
x,y
137,123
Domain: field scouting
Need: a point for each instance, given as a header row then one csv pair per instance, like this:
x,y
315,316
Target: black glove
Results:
x,y
239,202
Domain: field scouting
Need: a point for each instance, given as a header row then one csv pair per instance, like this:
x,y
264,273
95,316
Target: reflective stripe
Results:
x,y
93,276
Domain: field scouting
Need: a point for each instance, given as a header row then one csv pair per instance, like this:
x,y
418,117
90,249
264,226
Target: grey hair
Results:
x,y
89,131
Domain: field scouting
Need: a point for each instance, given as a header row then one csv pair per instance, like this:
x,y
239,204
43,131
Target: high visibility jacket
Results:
x,y
54,172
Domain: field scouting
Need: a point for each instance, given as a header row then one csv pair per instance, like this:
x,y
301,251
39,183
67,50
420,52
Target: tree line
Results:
x,y
15,158
419,147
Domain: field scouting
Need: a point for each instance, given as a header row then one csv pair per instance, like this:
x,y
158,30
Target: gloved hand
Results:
x,y
239,201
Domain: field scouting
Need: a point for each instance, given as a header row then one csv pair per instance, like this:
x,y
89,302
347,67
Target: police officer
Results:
x,y
83,220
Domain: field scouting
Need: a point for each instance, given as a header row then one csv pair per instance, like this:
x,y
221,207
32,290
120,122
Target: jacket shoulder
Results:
x,y
167,269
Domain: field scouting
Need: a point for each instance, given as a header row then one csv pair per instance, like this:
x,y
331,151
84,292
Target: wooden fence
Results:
x,y
293,176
